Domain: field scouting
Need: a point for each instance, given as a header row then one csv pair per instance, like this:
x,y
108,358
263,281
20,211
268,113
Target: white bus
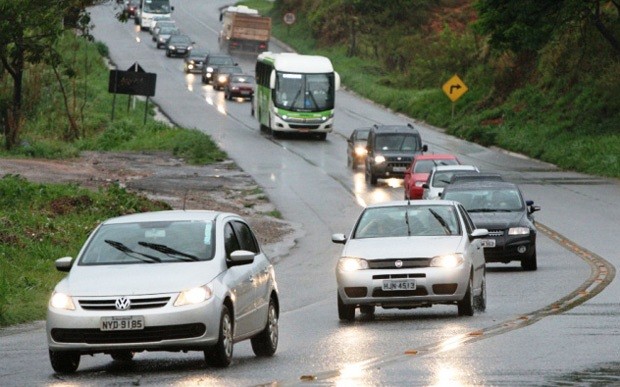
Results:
x,y
149,9
295,93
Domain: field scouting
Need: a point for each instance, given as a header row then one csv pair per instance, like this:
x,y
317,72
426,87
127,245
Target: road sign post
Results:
x,y
454,89
133,81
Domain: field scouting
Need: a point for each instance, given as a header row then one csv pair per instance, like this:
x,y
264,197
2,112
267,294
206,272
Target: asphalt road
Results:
x,y
547,327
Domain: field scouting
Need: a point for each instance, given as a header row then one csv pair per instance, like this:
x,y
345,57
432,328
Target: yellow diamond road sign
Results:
x,y
454,88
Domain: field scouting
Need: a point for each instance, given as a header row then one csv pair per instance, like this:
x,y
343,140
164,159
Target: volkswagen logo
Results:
x,y
123,303
398,264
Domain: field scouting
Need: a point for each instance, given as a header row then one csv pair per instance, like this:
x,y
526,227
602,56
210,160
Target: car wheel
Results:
x,y
345,312
367,310
168,53
64,362
220,355
530,263
481,300
371,177
322,136
266,343
122,355
466,305
204,79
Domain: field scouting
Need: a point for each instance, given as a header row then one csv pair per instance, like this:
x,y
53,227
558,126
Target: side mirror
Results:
x,y
425,185
171,8
339,238
272,80
533,209
336,81
479,233
63,264
424,148
241,257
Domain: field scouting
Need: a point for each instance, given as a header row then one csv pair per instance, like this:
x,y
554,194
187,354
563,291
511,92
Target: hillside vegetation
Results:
x,y
543,75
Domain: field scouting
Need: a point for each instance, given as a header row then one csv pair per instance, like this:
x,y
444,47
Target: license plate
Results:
x,y
122,323
390,285
488,243
399,169
243,92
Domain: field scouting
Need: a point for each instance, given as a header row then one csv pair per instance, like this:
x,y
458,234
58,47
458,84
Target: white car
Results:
x,y
164,281
440,176
411,254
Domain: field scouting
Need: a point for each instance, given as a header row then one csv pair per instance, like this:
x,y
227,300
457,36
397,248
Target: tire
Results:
x,y
168,53
480,303
220,355
122,355
266,343
203,79
345,312
466,305
322,136
371,177
530,263
64,362
367,310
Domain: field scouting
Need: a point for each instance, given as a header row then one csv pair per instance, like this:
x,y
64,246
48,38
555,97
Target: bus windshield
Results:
x,y
304,92
157,6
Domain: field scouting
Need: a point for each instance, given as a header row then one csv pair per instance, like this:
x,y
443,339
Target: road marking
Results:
x,y
602,274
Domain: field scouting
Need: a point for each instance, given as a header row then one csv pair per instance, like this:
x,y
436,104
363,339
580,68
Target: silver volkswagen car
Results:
x,y
164,281
411,254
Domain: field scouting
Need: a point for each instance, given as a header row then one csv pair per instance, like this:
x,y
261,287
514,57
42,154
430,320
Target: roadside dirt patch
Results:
x,y
160,176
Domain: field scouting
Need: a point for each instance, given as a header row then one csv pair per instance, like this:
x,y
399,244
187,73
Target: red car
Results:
x,y
417,173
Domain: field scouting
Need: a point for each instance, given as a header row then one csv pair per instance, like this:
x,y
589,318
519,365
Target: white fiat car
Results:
x,y
164,281
411,254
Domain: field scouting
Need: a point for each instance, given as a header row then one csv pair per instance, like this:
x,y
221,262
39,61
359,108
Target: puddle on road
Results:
x,y
607,374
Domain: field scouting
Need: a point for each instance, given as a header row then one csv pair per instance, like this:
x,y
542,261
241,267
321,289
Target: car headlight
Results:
x,y
360,151
352,264
194,296
61,301
221,78
449,261
172,47
379,159
209,69
162,40
518,231
419,183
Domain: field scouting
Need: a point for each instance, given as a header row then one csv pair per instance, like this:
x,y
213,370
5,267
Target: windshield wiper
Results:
x,y
407,221
168,250
121,247
441,221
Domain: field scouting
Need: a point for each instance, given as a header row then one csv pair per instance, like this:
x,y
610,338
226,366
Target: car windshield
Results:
x,y
361,135
197,55
397,142
168,30
221,60
152,242
180,39
157,6
407,220
487,200
229,69
304,92
425,166
442,178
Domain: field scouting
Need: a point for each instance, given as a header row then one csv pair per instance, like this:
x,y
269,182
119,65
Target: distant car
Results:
x,y
164,281
159,19
222,74
194,60
178,45
411,254
164,33
501,209
440,176
212,62
356,147
390,151
240,85
419,169
158,25
131,6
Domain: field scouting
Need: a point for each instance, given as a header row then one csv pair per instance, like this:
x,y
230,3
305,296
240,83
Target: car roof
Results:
x,y
408,128
436,156
412,203
457,167
482,184
171,215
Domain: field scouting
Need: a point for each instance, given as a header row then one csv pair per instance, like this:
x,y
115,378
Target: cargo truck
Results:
x,y
244,29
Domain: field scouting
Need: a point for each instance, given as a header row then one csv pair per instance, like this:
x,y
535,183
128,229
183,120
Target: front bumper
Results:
x,y
434,285
190,327
510,248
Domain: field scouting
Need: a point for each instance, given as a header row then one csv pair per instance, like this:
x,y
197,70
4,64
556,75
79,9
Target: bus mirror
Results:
x,y
272,80
336,81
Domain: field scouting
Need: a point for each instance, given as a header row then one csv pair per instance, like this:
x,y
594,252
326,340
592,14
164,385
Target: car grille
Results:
x,y
391,263
419,291
496,233
398,276
146,335
136,303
